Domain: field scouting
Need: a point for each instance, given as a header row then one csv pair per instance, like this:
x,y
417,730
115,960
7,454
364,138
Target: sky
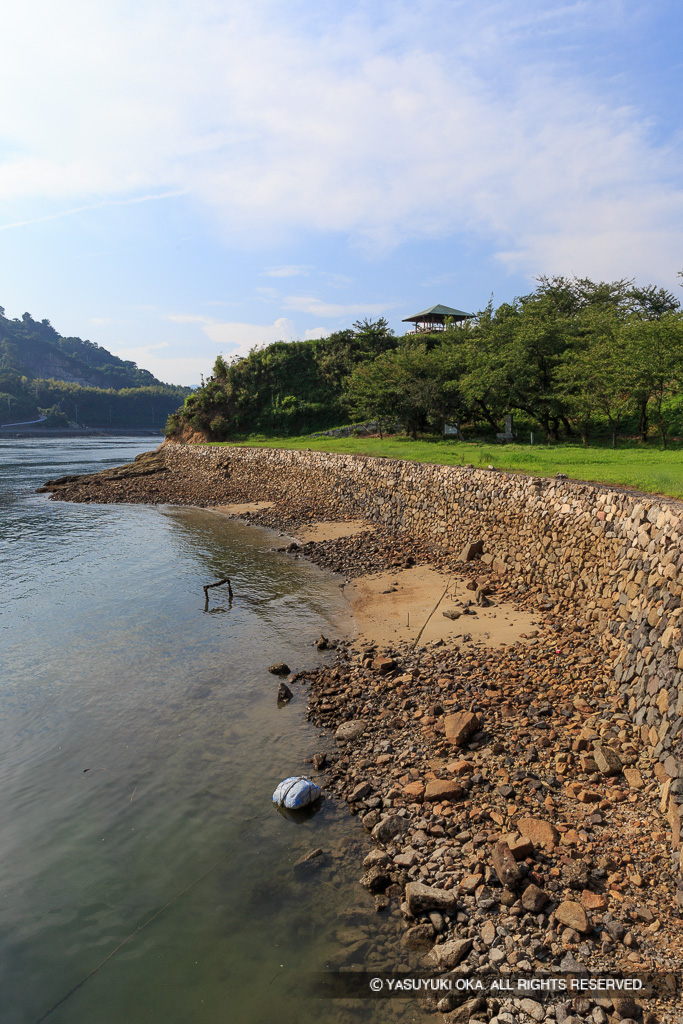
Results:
x,y
179,179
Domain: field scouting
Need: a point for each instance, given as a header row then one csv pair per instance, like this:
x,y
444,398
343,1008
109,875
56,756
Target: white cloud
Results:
x,y
169,368
291,270
130,201
316,332
238,338
277,121
310,304
188,318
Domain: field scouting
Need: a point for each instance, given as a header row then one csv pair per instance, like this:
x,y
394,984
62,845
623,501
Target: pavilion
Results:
x,y
434,319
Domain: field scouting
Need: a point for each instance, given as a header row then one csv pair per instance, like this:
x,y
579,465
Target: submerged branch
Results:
x,y
219,583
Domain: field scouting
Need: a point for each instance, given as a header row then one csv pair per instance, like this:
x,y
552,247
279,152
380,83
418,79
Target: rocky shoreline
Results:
x,y
514,806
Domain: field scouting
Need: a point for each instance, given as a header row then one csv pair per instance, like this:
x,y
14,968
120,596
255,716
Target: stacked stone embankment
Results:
x,y
611,558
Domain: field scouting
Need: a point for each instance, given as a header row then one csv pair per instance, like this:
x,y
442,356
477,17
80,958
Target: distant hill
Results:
x,y
74,381
34,349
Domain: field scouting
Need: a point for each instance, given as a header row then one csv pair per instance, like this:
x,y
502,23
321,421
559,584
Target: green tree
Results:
x,y
654,355
595,377
407,384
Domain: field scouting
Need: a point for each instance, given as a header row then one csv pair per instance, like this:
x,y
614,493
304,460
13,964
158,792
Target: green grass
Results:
x,y
650,469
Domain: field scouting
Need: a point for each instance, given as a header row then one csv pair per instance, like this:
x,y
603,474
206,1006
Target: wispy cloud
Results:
x,y
130,201
238,338
188,318
385,123
292,270
310,304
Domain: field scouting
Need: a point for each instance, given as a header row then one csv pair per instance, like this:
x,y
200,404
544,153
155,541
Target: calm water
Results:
x,y
140,743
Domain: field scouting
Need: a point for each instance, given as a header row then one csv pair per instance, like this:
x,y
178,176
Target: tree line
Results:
x,y
574,358
64,403
69,380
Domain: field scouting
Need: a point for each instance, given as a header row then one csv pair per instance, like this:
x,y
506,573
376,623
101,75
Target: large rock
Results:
x,y
634,778
573,916
375,879
443,789
461,726
532,1009
359,792
471,550
280,668
521,848
414,791
376,858
388,828
447,955
348,731
534,899
384,665
313,859
422,898
284,693
540,832
465,1011
419,935
505,865
607,760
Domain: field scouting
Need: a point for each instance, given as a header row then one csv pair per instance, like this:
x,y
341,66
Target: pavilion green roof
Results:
x,y
435,313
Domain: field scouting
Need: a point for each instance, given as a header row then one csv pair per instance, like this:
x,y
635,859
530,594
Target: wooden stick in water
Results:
x,y
219,583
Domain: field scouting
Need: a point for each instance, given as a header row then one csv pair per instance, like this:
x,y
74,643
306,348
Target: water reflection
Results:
x,y
140,744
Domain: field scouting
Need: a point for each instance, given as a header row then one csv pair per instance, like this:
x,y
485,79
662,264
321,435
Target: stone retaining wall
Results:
x,y
614,558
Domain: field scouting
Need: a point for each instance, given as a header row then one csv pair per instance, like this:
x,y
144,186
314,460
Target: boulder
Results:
x,y
417,936
461,726
388,828
422,898
521,848
634,778
443,789
284,693
539,832
348,731
313,859
414,792
471,550
534,899
359,792
280,668
384,665
447,955
594,900
572,915
607,760
375,879
376,858
505,865
465,1011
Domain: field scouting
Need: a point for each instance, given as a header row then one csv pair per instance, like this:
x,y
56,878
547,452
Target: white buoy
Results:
x,y
296,793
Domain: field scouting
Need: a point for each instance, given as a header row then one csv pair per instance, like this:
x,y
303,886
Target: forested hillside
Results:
x,y
574,358
69,380
286,387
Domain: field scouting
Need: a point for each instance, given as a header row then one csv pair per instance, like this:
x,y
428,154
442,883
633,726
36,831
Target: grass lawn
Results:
x,y
651,469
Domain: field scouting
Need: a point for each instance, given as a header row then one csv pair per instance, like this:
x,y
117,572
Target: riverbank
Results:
x,y
555,771
57,433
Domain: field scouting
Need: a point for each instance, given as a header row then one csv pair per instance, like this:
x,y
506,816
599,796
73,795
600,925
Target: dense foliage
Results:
x,y
284,388
572,357
68,380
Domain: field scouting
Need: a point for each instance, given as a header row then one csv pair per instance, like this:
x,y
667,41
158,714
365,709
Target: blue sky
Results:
x,y
179,179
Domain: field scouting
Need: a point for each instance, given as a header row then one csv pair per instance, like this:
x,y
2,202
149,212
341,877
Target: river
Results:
x,y
140,743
